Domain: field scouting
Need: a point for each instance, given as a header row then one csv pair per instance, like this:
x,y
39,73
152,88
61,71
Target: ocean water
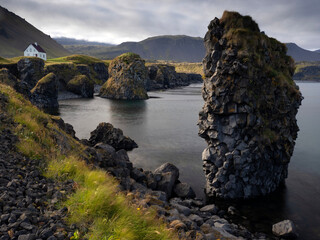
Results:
x,y
165,128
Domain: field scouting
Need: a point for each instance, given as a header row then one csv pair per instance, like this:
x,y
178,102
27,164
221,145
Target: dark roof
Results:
x,y
40,49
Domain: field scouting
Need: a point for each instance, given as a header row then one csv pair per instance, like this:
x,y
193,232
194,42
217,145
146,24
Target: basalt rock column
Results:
x,y
249,115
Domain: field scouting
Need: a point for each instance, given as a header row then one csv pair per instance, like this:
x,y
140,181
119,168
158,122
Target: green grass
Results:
x,y
96,204
76,59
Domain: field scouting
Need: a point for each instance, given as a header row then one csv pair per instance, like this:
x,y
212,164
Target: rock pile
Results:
x,y
251,101
174,201
128,77
27,199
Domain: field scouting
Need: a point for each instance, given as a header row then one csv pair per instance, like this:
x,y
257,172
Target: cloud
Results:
x,y
127,20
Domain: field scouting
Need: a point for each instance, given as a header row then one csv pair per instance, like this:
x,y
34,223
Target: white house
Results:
x,y
34,50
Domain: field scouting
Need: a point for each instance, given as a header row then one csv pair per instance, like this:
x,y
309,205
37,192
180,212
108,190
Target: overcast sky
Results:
x,y
116,21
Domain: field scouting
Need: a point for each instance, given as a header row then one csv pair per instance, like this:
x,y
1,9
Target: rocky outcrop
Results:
x,y
45,94
81,85
308,73
162,76
128,78
30,70
99,72
64,73
249,115
106,133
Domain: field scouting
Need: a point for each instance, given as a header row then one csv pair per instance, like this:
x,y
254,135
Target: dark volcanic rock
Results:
x,y
100,71
31,70
81,85
45,94
249,115
128,78
162,76
169,175
106,133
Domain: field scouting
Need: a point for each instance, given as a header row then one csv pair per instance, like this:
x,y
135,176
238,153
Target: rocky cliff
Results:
x,y
128,78
162,76
248,119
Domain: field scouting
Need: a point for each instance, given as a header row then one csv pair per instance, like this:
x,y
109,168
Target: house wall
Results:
x,y
32,52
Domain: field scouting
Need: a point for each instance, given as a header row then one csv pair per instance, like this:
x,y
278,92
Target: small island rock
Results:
x,y
128,78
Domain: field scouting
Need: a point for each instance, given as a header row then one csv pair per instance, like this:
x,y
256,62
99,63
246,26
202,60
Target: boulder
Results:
x,y
169,175
249,116
128,78
183,190
45,94
285,229
106,133
81,85
31,70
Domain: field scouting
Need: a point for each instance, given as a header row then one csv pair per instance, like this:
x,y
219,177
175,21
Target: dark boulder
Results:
x,y
81,85
169,174
106,133
45,94
183,190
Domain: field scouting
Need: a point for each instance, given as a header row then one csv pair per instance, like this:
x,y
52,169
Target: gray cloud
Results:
x,y
127,20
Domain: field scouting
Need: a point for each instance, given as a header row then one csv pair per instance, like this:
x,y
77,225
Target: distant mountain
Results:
x,y
73,41
317,51
179,48
16,34
300,54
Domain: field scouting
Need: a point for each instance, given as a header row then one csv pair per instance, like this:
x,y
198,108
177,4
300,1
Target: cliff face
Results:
x,y
128,78
251,101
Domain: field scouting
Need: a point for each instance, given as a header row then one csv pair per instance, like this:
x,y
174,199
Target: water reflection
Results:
x,y
127,110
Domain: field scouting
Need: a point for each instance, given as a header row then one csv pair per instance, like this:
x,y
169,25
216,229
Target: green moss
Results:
x,y
127,57
76,59
80,79
236,20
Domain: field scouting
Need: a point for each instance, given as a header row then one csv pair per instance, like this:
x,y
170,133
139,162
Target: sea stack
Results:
x,y
249,115
128,78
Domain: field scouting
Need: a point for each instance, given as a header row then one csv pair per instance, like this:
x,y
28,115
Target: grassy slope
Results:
x,y
96,204
16,34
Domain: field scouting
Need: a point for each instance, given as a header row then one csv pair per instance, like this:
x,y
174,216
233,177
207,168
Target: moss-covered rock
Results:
x,y
81,85
251,101
128,78
64,72
45,94
31,70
